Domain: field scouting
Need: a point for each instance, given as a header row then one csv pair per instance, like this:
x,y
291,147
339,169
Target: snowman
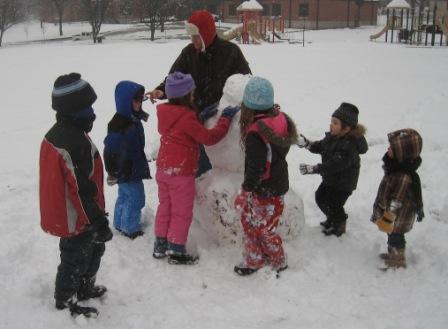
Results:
x,y
216,189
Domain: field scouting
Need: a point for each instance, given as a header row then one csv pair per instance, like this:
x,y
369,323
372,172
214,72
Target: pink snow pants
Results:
x,y
262,246
175,210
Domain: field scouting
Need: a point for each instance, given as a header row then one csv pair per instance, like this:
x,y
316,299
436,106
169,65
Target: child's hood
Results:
x,y
405,143
169,115
279,130
357,135
124,93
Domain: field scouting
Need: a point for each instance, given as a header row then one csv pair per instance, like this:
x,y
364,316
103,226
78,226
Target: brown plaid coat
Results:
x,y
405,144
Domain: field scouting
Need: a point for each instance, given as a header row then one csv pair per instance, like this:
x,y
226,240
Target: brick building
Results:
x,y
314,14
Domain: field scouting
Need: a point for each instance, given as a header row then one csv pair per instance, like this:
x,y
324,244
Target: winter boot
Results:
x,y
134,235
90,290
336,229
396,258
243,270
325,224
160,247
386,255
75,309
281,269
182,259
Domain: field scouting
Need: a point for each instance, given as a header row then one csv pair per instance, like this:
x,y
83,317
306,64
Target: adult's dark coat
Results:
x,y
210,69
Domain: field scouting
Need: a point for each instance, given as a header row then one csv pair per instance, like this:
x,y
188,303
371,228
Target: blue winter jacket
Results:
x,y
124,144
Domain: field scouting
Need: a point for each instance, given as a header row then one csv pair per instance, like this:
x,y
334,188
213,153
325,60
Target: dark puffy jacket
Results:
x,y
340,158
210,69
124,145
71,180
267,143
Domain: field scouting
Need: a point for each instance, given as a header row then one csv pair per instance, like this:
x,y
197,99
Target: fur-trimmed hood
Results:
x,y
276,137
357,134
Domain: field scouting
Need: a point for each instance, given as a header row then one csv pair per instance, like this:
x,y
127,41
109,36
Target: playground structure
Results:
x,y
255,28
413,26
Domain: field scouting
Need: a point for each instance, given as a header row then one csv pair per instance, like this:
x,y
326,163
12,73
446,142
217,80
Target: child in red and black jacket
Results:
x,y
340,150
266,136
71,194
177,163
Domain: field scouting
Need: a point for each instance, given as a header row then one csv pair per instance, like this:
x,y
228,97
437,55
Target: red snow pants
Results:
x,y
262,245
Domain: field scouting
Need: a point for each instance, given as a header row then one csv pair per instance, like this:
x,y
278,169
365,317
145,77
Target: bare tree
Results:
x,y
126,8
155,13
11,12
96,11
59,5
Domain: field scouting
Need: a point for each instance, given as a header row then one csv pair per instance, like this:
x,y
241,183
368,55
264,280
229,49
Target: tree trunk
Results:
x,y
153,31
60,25
162,25
1,37
348,13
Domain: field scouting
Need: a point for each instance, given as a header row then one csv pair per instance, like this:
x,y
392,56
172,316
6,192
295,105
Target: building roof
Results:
x,y
250,5
401,4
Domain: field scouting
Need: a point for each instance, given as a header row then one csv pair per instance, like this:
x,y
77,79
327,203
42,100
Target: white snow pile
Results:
x,y
217,189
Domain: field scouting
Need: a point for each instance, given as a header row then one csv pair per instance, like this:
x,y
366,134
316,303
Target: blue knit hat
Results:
x,y
258,94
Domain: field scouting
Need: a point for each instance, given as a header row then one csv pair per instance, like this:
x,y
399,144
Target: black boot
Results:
x,y
75,309
177,255
336,229
182,259
134,235
160,248
90,290
244,270
326,224
281,269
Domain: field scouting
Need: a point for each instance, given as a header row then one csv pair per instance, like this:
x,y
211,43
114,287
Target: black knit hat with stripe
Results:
x,y
72,94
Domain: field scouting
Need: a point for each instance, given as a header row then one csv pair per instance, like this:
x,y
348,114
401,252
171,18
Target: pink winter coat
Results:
x,y
181,133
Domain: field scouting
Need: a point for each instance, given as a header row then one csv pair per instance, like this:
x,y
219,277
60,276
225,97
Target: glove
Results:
x,y
209,111
303,142
230,111
142,115
241,200
386,222
308,169
101,230
111,180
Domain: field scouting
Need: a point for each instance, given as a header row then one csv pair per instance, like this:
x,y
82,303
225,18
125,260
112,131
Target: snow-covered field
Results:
x,y
330,283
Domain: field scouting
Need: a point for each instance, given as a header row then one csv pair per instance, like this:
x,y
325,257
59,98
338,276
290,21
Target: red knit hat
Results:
x,y
202,22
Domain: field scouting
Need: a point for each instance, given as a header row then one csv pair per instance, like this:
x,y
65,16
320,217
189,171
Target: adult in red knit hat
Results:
x,y
210,60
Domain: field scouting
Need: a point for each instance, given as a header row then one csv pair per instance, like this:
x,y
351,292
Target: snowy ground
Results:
x,y
331,283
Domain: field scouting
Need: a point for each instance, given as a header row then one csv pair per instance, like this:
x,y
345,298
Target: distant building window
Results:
x,y
232,9
266,11
304,10
276,9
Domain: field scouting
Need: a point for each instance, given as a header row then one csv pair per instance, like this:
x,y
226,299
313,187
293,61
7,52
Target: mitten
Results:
x,y
111,180
386,222
101,230
142,115
308,169
209,111
303,142
230,111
